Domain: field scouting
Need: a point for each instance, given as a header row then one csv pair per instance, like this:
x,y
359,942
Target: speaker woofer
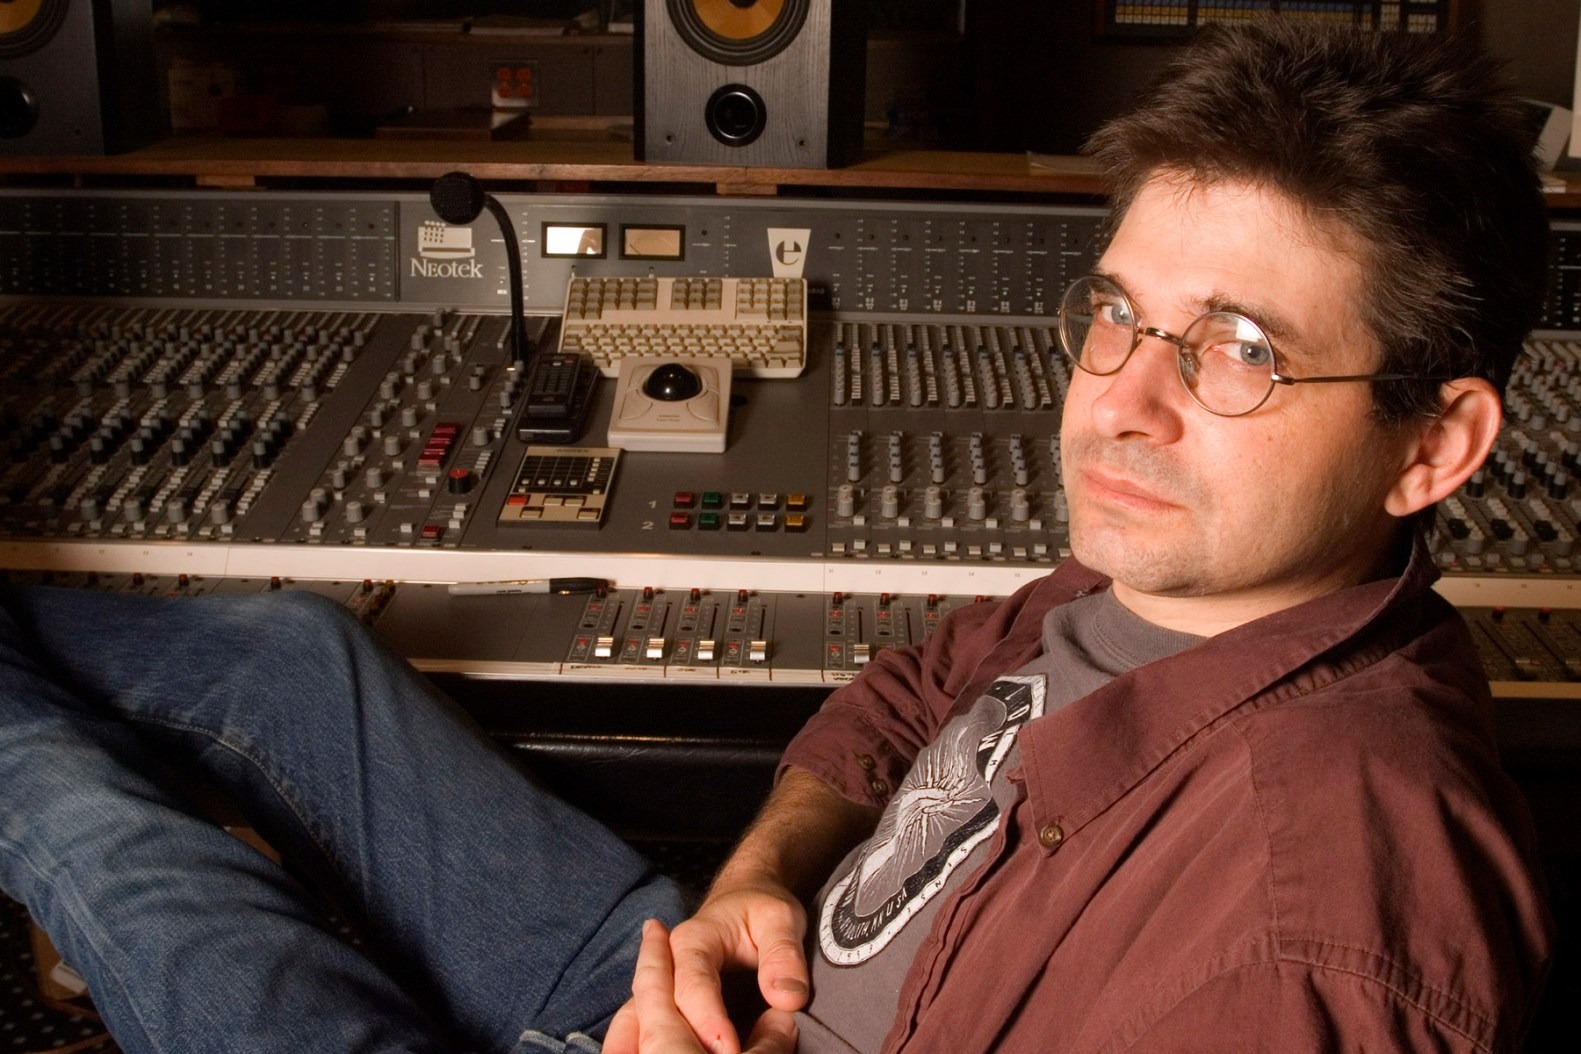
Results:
x,y
27,25
738,32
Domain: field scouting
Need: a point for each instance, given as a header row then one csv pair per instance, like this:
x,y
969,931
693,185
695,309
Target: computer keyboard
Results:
x,y
760,324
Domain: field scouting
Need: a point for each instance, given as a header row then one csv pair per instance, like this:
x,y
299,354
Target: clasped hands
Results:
x,y
677,1004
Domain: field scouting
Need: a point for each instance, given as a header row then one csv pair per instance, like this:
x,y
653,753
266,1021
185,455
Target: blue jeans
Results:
x,y
494,917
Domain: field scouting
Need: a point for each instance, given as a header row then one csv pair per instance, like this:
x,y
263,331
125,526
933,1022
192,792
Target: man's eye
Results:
x,y
1116,314
1248,353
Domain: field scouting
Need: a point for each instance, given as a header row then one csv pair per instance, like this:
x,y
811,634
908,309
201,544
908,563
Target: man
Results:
x,y
1223,780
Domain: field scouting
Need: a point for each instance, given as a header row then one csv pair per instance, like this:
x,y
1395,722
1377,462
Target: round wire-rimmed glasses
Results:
x,y
1226,361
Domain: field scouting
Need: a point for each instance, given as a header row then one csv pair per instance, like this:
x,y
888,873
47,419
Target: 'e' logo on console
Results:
x,y
787,250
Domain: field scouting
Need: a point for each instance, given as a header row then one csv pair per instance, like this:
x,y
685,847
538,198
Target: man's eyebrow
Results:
x,y
1272,322
1281,332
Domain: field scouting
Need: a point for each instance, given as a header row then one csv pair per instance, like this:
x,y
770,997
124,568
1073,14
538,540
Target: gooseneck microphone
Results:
x,y
458,198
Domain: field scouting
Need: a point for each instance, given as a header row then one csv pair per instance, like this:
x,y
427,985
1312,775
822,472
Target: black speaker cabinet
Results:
x,y
764,83
77,77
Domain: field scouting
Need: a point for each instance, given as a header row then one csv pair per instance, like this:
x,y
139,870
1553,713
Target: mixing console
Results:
x,y
170,424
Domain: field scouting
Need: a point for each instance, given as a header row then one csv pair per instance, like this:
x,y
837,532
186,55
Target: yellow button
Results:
x,y
1051,836
880,787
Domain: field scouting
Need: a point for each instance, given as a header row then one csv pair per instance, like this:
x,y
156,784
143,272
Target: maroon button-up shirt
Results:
x,y
1295,836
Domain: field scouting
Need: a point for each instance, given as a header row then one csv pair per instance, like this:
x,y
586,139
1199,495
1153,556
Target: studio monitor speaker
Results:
x,y
77,76
767,83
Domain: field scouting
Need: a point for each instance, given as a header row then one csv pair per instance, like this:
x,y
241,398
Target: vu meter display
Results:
x,y
651,243
562,240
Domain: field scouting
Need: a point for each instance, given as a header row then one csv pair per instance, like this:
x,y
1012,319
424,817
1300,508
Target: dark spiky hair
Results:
x,y
1411,142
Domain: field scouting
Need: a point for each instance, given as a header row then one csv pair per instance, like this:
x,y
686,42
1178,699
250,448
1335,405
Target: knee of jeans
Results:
x,y
292,622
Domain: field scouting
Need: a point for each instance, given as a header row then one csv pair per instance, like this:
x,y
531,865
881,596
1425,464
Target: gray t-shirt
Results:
x,y
879,906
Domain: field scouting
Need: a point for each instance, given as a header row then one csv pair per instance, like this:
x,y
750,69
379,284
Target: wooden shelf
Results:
x,y
584,152
587,154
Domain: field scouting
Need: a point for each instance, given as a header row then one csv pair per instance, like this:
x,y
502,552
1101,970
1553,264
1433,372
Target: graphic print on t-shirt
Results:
x,y
943,809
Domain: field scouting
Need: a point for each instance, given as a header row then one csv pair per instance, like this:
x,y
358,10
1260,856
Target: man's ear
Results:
x,y
1448,449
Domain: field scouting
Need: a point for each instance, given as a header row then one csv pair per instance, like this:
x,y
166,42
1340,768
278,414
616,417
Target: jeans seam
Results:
x,y
251,758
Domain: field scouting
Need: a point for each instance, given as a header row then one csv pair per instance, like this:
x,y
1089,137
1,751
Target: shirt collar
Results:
x,y
1134,723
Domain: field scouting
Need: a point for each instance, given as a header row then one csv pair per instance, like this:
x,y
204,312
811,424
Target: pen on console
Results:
x,y
527,585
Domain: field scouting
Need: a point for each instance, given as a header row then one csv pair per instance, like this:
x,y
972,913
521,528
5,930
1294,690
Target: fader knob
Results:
x,y
1020,509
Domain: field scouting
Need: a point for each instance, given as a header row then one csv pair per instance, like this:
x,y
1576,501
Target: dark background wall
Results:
x,y
1045,79
1002,75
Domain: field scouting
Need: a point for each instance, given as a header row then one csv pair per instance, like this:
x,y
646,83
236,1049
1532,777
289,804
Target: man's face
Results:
x,y
1205,522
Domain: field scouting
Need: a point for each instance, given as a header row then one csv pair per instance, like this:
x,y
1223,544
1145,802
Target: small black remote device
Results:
x,y
559,396
552,388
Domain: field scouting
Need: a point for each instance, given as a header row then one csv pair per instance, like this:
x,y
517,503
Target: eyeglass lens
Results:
x,y
1226,361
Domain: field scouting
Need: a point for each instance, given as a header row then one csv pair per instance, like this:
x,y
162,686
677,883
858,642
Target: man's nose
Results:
x,y
1145,396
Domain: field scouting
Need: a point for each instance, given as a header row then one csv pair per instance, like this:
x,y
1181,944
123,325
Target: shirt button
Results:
x,y
866,761
880,787
1050,836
